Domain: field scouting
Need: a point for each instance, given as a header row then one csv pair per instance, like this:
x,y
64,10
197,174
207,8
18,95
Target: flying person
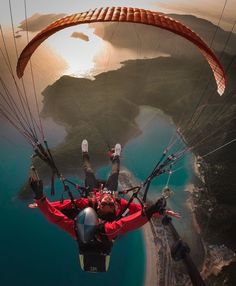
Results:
x,y
98,222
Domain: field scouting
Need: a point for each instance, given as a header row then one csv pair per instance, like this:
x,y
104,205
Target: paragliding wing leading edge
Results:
x,y
125,14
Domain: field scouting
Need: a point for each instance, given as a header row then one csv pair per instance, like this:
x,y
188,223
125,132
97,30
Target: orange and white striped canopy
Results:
x,y
125,14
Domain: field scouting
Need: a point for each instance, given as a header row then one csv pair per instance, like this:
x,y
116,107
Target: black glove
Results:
x,y
159,207
37,187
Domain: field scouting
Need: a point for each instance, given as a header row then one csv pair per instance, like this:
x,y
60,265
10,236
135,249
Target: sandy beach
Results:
x,y
151,257
159,271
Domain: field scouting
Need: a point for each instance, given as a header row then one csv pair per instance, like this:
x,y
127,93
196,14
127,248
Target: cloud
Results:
x,y
79,35
38,21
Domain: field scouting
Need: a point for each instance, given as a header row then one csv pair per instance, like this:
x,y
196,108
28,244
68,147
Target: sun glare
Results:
x,y
79,54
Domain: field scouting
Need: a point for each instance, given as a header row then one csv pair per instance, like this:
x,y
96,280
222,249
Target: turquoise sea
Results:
x,y
34,252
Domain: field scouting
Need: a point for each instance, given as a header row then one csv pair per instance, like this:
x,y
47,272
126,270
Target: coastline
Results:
x,y
159,264
151,257
191,189
216,256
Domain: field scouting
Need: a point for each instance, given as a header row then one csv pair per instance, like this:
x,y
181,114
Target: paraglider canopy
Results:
x,y
125,14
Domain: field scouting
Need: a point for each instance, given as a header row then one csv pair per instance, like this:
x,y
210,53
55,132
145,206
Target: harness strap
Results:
x,y
102,234
53,184
125,210
93,202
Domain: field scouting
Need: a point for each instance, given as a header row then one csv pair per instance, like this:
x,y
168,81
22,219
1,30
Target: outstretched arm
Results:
x,y
137,219
67,204
55,216
49,211
133,207
125,224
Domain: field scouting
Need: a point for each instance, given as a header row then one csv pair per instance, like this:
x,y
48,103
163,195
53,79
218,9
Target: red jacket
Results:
x,y
134,220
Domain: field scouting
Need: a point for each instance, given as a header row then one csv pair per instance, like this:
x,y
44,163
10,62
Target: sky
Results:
x,y
205,8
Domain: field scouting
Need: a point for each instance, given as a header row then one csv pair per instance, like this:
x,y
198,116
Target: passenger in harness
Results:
x,y
95,226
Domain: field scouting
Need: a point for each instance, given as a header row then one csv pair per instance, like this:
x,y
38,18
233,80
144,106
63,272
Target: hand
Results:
x,y
159,207
173,214
33,205
37,187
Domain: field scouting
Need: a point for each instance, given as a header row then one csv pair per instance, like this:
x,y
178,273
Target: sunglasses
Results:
x,y
110,204
108,192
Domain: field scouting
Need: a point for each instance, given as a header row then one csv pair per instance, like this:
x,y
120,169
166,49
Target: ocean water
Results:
x,y
35,252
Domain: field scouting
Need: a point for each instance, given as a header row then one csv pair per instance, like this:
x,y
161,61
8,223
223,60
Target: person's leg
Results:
x,y
112,182
90,179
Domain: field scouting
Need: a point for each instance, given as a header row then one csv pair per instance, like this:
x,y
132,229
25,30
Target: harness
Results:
x,y
94,256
